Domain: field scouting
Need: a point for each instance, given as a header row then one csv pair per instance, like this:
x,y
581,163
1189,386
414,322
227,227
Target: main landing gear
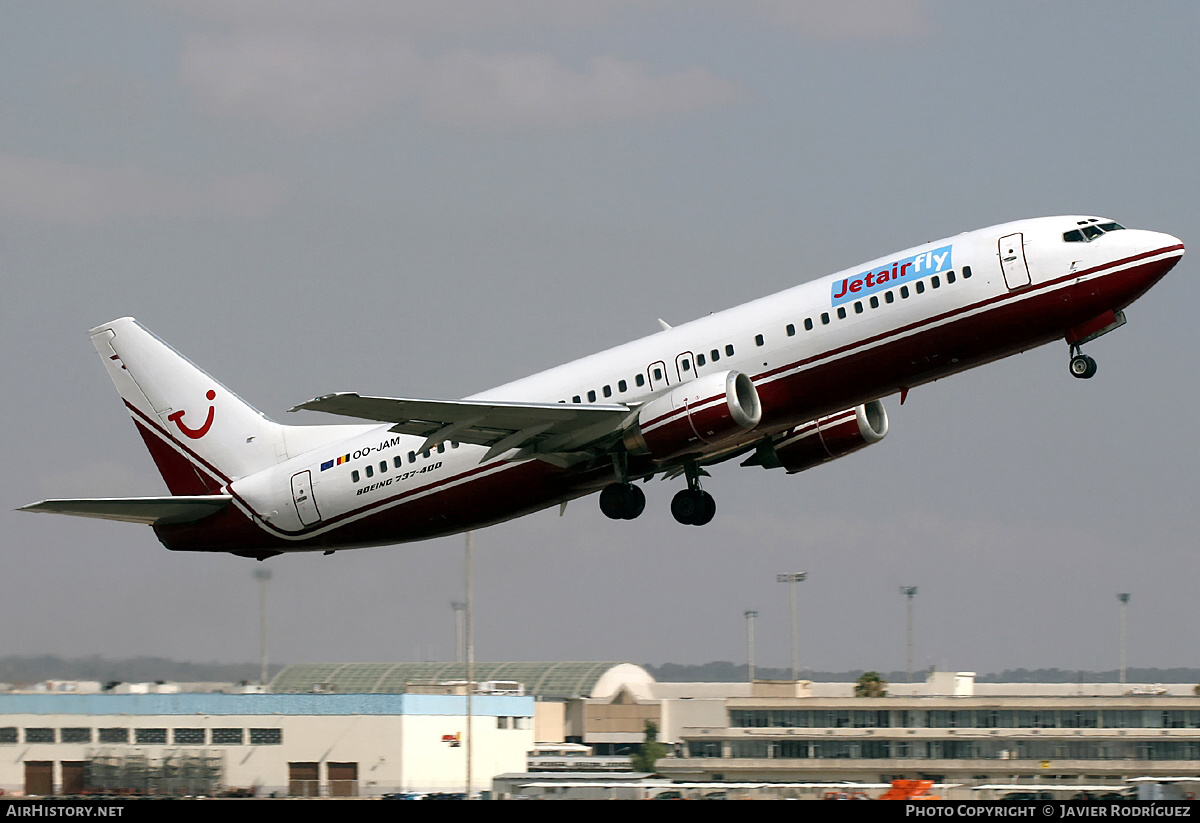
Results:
x,y
693,506
1082,366
624,501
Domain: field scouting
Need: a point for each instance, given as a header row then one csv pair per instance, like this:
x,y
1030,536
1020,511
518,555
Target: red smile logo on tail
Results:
x,y
195,434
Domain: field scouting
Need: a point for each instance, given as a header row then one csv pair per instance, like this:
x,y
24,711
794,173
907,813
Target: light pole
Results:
x,y
459,618
470,586
910,592
1124,598
262,576
793,578
750,615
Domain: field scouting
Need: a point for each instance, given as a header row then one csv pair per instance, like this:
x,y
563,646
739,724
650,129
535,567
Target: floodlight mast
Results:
x,y
910,592
262,576
792,578
1124,598
750,615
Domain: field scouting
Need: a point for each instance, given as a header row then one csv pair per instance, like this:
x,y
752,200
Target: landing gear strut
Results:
x,y
693,506
622,500
1082,366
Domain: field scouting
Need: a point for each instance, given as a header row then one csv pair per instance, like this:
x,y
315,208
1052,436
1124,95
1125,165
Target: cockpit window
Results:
x,y
1089,231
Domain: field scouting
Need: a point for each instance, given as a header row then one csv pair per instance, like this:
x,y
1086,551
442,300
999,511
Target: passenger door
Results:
x,y
1012,261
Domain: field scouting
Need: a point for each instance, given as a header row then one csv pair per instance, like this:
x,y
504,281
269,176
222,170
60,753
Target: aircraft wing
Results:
x,y
147,510
560,433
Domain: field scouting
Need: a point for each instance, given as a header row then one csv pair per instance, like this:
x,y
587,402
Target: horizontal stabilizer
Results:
x,y
147,510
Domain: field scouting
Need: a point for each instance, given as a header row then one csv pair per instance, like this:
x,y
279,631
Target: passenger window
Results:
x,y
454,444
383,467
935,282
808,324
950,276
824,318
966,272
888,297
904,292
874,301
841,312
412,457
425,454
858,309
592,396
354,476
576,399
622,386
658,374
640,380
370,470
700,361
441,448
758,339
607,391
729,350
687,365
716,355
920,287
397,461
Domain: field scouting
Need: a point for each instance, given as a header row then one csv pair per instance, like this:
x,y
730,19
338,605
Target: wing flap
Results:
x,y
145,510
563,427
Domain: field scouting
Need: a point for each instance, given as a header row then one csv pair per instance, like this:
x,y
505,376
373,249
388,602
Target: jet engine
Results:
x,y
703,412
827,438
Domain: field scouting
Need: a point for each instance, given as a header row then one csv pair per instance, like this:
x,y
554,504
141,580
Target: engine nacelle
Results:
x,y
706,411
825,439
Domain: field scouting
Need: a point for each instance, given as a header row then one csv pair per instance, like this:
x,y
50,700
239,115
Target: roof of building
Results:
x,y
559,681
261,704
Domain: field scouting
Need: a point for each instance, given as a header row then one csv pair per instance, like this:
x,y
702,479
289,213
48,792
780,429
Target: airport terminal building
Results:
x,y
368,729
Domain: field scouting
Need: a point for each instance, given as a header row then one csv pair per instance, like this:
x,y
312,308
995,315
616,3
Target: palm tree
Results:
x,y
870,684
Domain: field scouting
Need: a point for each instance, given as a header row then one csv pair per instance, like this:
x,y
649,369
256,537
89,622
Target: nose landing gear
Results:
x,y
1082,366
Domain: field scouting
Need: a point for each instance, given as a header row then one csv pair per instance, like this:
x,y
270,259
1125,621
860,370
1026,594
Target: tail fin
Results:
x,y
201,435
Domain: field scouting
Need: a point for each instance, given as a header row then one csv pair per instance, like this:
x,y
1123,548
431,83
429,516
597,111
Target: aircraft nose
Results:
x,y
1157,240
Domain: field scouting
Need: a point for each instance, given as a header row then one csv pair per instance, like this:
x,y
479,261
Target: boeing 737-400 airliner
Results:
x,y
787,381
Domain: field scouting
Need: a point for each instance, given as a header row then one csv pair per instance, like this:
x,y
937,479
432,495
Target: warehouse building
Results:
x,y
267,744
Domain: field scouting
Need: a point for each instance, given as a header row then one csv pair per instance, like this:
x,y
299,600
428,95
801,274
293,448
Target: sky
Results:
x,y
427,199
